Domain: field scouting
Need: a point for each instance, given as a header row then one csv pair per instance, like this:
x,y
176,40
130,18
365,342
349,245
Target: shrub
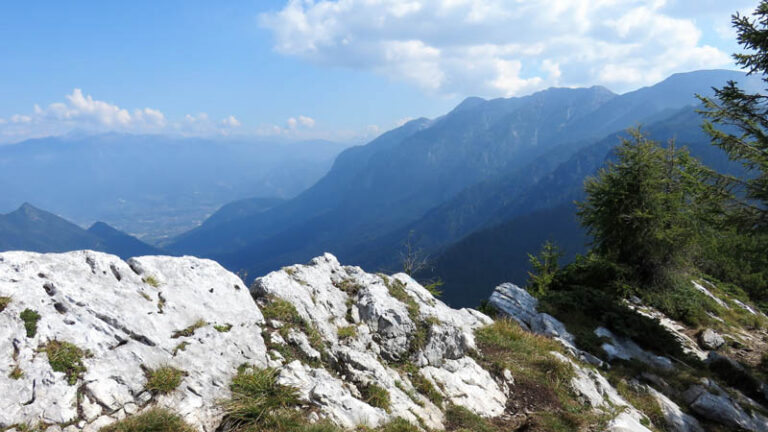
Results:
x,y
66,357
30,318
152,420
281,310
164,379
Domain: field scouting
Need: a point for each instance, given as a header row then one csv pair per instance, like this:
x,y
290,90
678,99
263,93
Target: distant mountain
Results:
x,y
486,163
31,229
154,186
399,176
119,243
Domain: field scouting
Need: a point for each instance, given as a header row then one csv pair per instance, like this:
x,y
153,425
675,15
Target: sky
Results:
x,y
343,70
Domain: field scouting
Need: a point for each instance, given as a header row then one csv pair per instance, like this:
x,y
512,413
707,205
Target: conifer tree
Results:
x,y
738,120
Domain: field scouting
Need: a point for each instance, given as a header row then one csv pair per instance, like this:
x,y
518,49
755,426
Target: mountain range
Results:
x,y
488,174
473,190
31,229
154,186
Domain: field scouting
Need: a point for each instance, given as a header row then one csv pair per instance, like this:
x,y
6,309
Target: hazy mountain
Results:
x,y
31,229
545,211
401,175
476,167
154,185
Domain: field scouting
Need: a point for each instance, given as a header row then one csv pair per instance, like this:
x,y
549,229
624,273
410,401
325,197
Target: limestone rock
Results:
x,y
710,339
123,316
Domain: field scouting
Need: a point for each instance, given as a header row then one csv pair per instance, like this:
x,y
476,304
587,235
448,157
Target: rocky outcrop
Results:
x,y
516,303
396,325
122,318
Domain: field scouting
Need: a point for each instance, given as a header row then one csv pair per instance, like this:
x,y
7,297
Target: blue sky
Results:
x,y
341,69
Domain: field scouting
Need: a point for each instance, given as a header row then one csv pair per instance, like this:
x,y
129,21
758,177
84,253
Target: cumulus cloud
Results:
x,y
493,47
82,112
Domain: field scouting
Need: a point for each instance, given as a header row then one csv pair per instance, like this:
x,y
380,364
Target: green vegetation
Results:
x,y
376,396
151,281
223,328
182,346
347,332
66,357
16,373
164,379
423,385
278,309
189,331
30,318
545,267
152,420
4,302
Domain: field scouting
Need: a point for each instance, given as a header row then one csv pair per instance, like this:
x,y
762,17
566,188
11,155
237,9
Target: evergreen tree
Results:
x,y
544,268
647,210
743,118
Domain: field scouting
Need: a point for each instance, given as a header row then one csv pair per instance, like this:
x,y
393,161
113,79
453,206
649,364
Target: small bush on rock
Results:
x,y
164,379
153,420
66,357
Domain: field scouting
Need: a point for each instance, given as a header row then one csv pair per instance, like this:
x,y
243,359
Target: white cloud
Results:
x,y
230,122
82,112
301,121
492,47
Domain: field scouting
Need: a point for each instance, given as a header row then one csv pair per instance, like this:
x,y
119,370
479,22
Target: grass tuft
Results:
x,y
376,396
151,281
152,420
189,331
164,379
16,373
223,328
347,332
67,358
4,302
30,318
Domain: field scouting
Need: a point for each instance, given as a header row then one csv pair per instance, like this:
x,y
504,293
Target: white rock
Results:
x,y
677,420
626,349
105,313
464,383
710,339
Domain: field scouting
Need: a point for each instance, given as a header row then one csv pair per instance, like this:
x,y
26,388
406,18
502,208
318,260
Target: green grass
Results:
x,y
30,318
4,302
151,281
376,396
347,332
423,385
16,373
281,310
67,358
461,419
189,331
164,379
259,403
180,347
152,420
223,328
